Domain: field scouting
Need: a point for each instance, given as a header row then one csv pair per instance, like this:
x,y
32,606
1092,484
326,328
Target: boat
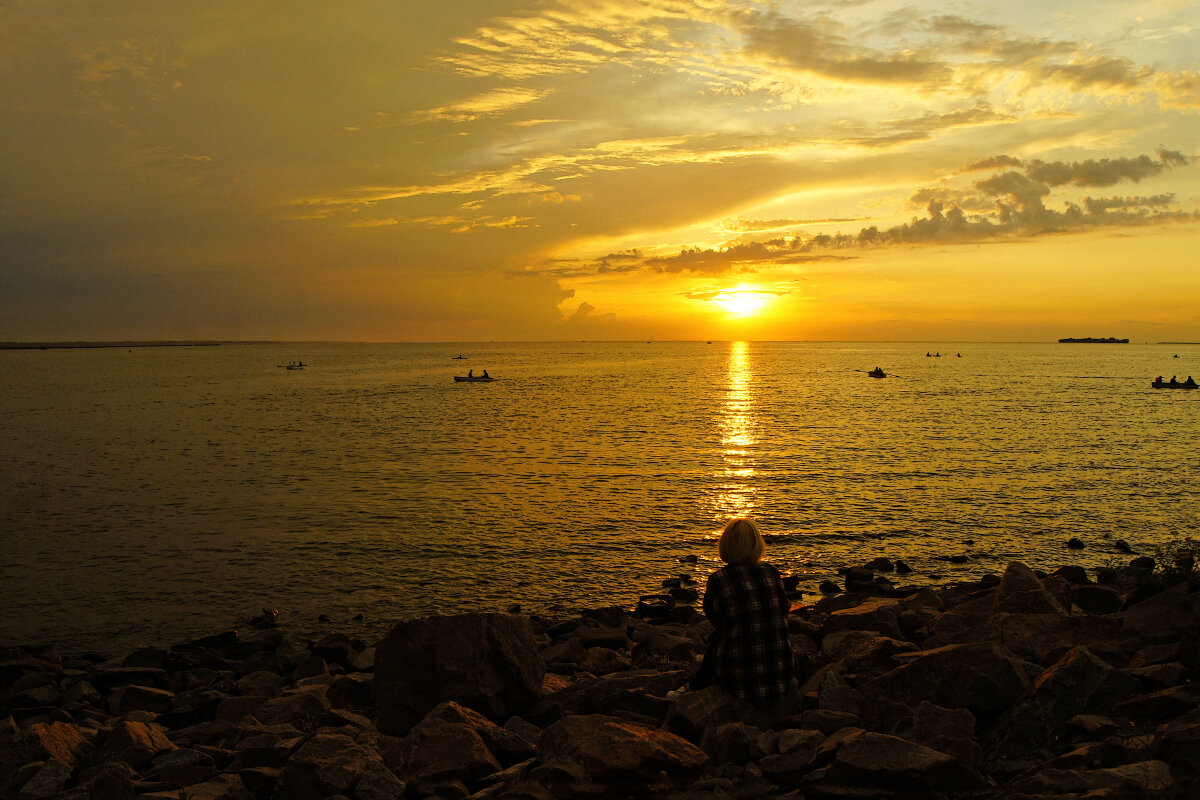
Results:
x,y
295,365
877,373
473,379
1159,383
457,358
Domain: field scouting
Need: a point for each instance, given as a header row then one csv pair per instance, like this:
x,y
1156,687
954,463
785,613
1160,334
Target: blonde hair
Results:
x,y
741,542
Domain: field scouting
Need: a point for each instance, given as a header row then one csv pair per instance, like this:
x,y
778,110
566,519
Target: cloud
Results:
x,y
1009,203
489,104
819,47
1178,90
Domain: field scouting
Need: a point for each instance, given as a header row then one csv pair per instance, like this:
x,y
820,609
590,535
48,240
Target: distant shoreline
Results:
x,y
95,345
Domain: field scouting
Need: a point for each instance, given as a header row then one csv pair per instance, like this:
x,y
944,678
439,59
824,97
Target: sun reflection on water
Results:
x,y
738,429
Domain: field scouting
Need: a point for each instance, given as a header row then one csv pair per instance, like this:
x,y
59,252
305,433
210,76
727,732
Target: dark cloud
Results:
x,y
817,47
992,163
1098,72
1009,203
1095,172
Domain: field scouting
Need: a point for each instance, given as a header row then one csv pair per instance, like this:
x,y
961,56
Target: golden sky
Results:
x,y
599,169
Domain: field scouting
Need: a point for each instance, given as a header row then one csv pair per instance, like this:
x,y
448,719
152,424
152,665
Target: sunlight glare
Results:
x,y
742,302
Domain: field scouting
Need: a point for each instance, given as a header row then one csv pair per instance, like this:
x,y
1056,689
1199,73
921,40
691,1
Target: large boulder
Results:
x,y
325,765
1078,683
875,760
1022,592
615,752
488,662
981,677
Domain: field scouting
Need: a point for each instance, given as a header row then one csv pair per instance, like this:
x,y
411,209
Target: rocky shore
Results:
x,y
1021,685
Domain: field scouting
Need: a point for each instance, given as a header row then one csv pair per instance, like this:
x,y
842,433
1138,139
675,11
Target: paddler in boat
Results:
x,y
1190,382
471,373
485,374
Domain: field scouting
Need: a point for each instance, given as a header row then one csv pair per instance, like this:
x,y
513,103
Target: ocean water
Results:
x,y
155,494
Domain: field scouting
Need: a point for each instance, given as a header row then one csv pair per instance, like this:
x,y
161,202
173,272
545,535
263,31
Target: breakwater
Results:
x,y
1016,685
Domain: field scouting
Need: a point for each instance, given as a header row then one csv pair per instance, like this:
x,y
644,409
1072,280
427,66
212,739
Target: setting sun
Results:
x,y
742,302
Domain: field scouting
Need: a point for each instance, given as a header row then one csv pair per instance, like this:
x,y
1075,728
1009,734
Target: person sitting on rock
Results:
x,y
749,654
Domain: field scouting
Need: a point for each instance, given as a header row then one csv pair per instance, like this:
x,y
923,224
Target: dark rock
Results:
x,y
1142,779
1142,562
59,741
439,750
1075,543
326,764
1071,574
488,662
1022,592
1095,599
1079,683
981,677
133,743
141,698
880,564
1122,546
1166,616
877,614
618,753
873,760
829,587
902,568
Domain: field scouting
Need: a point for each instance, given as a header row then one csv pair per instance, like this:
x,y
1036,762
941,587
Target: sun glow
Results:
x,y
742,301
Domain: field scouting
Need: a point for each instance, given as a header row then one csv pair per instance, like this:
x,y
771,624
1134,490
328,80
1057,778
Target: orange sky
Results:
x,y
612,169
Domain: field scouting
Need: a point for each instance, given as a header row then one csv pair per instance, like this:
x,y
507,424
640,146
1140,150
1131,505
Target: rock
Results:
x,y
50,779
981,677
377,782
488,662
438,750
297,706
829,587
132,743
902,568
873,760
58,741
1095,599
222,787
326,764
141,698
732,743
863,651
1022,592
1141,779
1075,543
878,614
618,753
1165,616
1078,683
880,564
1122,546
827,721
947,730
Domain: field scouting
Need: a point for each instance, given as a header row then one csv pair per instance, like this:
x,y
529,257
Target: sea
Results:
x,y
151,495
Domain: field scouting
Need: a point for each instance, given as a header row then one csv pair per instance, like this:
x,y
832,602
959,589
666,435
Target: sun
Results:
x,y
742,301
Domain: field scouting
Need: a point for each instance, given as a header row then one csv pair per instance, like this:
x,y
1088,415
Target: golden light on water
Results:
x,y
738,427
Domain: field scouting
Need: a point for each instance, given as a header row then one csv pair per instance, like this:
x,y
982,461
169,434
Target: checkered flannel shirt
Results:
x,y
747,605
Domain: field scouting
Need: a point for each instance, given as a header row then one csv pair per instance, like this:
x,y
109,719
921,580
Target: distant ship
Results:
x,y
1090,340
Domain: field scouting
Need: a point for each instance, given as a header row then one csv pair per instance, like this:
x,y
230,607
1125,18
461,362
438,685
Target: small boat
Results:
x,y
295,365
457,358
1174,384
877,373
473,379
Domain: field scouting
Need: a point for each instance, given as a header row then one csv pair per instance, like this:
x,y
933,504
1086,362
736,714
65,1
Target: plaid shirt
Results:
x,y
747,606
